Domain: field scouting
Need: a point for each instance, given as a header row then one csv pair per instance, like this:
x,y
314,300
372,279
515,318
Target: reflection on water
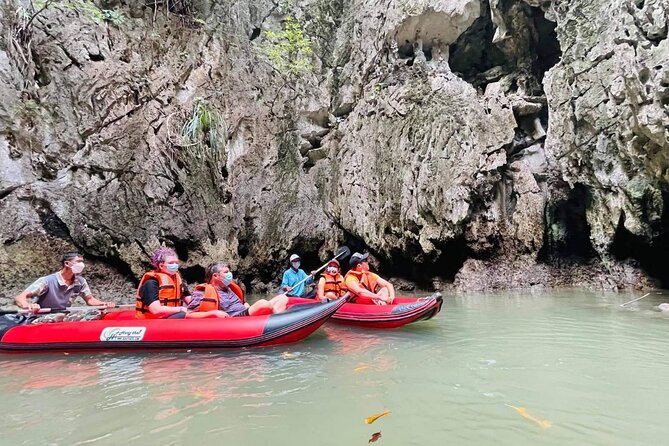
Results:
x,y
550,369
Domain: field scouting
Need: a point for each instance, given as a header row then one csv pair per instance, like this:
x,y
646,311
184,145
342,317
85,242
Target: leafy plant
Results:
x,y
289,50
203,129
114,17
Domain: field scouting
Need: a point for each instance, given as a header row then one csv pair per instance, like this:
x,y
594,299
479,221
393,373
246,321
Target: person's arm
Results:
x,y
37,288
354,285
185,292
90,300
389,286
310,278
285,286
162,310
320,292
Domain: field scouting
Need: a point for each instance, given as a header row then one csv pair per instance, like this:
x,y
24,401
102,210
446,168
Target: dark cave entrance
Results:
x,y
476,59
410,263
567,234
651,255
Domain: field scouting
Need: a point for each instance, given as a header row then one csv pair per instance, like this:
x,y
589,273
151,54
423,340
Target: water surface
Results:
x,y
577,361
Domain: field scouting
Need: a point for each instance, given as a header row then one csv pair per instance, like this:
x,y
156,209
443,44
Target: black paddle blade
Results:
x,y
343,252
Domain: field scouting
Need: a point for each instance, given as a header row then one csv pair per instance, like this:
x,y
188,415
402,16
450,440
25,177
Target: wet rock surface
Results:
x,y
467,144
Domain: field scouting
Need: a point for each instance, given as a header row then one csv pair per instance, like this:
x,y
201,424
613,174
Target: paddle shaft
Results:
x,y
66,310
638,298
343,252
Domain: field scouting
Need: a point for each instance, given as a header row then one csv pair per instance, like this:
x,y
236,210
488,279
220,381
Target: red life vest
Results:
x,y
169,293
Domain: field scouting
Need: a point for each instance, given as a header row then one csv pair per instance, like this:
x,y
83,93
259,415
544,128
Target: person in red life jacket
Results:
x,y
366,287
221,294
331,284
57,290
161,292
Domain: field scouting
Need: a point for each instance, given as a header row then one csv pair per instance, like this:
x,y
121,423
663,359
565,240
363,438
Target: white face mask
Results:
x,y
77,268
296,265
332,270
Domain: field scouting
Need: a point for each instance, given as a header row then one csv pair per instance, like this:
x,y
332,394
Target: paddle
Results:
x,y
342,253
66,310
634,300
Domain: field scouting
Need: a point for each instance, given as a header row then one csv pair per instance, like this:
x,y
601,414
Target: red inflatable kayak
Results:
x,y
404,310
121,330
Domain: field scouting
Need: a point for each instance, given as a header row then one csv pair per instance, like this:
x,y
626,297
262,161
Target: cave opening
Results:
x,y
546,47
474,57
193,274
411,264
567,235
478,60
649,254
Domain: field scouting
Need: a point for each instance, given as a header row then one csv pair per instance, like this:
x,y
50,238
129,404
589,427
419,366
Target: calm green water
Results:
x,y
596,371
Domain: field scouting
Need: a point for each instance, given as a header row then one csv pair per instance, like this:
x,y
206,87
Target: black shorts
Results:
x,y
179,315
243,313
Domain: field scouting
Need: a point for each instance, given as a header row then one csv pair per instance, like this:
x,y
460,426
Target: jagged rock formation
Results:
x,y
485,145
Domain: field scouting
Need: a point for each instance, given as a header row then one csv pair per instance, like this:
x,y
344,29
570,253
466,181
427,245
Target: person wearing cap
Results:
x,y
364,286
57,290
293,282
331,284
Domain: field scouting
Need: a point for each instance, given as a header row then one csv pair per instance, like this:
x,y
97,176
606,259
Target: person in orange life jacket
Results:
x,y
331,284
365,286
161,292
220,294
57,290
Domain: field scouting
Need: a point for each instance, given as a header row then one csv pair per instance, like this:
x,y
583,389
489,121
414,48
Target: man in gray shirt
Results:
x,y
57,290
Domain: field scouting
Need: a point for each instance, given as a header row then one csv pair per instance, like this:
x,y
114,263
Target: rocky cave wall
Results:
x,y
465,143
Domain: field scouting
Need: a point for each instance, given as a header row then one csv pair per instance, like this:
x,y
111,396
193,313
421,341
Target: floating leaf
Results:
x,y
544,424
372,418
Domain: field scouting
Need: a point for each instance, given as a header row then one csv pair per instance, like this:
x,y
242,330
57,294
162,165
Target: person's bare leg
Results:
x,y
383,295
261,307
279,303
331,296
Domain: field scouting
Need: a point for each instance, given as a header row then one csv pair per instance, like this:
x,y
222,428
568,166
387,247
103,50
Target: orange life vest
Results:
x,y
367,280
169,293
211,301
334,283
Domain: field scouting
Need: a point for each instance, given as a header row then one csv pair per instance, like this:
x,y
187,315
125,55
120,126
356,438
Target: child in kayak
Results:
x,y
331,284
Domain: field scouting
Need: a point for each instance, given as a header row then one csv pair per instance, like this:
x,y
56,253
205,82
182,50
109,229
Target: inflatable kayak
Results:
x,y
121,330
404,310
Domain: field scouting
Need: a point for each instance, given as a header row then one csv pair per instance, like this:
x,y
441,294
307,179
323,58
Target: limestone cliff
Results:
x,y
465,143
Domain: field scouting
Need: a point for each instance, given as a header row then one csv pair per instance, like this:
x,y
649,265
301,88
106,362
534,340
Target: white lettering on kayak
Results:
x,y
122,334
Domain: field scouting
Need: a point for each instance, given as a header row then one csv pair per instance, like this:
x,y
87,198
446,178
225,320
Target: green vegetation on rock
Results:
x,y
290,50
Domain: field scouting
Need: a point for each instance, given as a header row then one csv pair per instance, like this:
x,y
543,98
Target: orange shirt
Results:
x,y
365,279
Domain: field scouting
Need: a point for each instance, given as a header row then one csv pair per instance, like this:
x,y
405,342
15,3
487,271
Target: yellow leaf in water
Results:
x,y
360,368
544,424
287,355
372,418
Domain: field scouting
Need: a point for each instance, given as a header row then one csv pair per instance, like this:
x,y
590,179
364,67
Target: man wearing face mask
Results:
x,y
57,290
161,292
331,284
294,276
364,286
220,297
